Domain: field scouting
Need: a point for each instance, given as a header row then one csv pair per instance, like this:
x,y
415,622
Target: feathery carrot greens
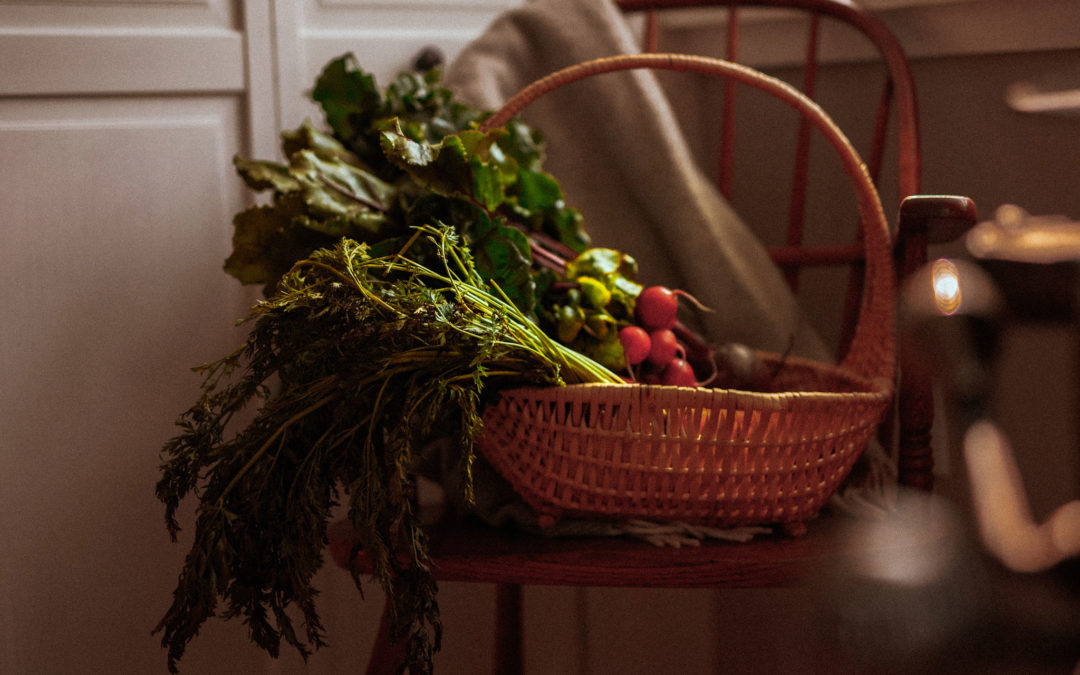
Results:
x,y
410,265
375,355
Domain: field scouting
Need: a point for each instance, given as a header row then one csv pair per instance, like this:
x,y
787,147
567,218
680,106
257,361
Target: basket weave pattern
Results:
x,y
706,456
698,455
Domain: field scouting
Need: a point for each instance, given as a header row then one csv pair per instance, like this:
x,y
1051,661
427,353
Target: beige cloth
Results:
x,y
616,147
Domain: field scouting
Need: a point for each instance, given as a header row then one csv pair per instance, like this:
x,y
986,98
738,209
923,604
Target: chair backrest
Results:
x,y
897,98
895,126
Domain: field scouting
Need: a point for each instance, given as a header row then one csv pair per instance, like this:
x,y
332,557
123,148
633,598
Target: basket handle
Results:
x,y
872,353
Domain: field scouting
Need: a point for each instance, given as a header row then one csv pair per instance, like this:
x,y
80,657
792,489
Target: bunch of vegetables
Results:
x,y
411,157
412,265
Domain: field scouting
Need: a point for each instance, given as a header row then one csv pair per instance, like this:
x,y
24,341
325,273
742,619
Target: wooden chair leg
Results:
x,y
509,656
386,657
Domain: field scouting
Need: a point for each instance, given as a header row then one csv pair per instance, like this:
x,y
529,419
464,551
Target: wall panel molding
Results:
x,y
64,62
261,64
36,14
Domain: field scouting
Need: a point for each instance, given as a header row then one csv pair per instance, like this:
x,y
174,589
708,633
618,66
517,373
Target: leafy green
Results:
x,y
502,256
375,356
265,245
354,109
616,270
411,264
317,198
386,154
461,165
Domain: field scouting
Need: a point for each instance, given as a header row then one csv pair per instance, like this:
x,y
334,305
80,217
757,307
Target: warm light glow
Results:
x,y
915,547
946,285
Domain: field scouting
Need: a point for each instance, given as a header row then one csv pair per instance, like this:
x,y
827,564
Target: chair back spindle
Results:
x,y
794,256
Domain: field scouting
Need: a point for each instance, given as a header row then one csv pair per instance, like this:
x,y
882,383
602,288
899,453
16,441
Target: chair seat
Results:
x,y
466,550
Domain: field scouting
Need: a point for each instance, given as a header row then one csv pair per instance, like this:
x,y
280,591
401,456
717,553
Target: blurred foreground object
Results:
x,y
911,590
1001,506
954,306
947,598
1006,525
1016,235
1028,98
918,593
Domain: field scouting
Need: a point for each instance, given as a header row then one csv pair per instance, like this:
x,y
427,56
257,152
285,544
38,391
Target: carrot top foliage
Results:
x,y
405,257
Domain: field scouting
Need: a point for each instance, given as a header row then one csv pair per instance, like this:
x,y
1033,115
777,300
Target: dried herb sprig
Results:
x,y
367,357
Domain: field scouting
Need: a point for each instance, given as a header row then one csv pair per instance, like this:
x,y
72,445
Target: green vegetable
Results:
x,y
608,351
571,321
318,198
411,264
375,356
397,158
356,109
603,263
599,325
595,292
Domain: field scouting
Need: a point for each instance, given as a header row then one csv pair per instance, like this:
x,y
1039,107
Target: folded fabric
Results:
x,y
614,143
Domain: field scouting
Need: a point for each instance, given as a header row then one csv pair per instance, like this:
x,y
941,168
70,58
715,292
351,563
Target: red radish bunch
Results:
x,y
635,343
656,307
651,343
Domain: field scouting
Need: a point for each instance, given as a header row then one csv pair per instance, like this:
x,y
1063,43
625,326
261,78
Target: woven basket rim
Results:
x,y
861,386
877,392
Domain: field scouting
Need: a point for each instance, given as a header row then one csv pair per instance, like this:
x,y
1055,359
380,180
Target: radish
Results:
x,y
657,306
665,347
636,344
744,367
678,373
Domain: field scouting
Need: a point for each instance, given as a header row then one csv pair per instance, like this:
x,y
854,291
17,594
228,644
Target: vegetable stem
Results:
x,y
258,453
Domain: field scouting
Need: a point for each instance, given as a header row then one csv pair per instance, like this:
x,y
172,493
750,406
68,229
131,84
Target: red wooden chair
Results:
x,y
464,552
922,217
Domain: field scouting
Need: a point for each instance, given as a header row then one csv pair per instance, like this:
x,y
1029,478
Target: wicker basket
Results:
x,y
700,455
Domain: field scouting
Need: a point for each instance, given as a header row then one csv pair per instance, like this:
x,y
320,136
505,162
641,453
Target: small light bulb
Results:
x,y
946,285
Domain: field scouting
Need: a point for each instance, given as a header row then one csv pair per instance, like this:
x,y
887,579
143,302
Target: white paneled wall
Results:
x,y
118,123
